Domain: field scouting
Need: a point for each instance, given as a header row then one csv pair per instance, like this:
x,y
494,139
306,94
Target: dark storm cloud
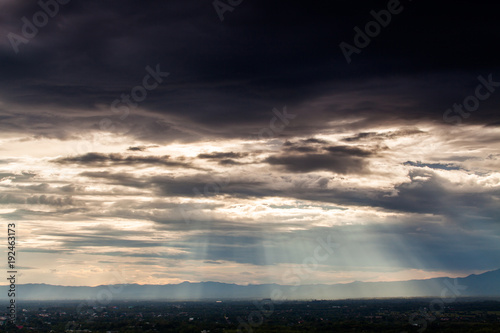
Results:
x,y
290,147
122,179
227,162
313,140
360,136
219,155
315,162
316,145
119,159
141,148
258,58
338,159
349,151
200,186
381,136
195,186
224,159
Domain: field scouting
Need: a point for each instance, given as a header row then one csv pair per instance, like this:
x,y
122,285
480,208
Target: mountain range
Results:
x,y
482,285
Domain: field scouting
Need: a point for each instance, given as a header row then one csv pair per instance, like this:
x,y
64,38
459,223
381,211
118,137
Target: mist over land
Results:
x,y
483,285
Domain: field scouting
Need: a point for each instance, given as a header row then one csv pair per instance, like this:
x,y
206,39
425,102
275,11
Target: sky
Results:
x,y
249,142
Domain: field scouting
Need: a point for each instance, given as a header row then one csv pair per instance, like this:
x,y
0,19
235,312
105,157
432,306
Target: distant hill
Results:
x,y
482,285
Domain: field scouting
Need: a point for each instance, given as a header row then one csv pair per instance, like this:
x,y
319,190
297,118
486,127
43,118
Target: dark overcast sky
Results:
x,y
260,137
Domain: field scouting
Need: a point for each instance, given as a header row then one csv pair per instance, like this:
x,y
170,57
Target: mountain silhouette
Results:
x,y
482,285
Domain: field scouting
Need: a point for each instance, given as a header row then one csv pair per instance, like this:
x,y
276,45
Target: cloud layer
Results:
x,y
260,141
